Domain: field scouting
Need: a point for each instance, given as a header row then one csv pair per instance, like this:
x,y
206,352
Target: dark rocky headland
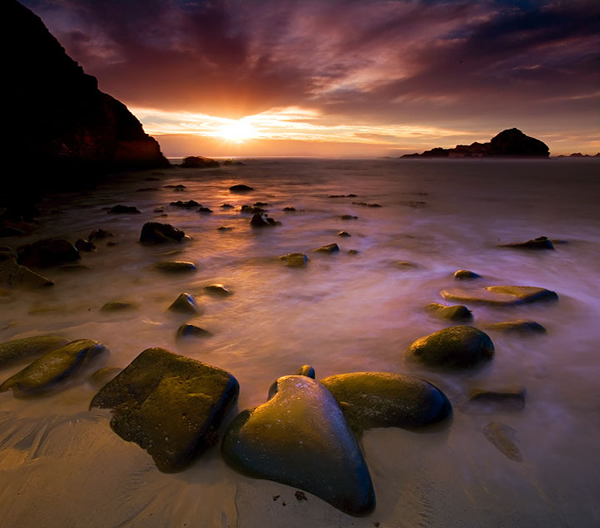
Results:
x,y
63,130
508,143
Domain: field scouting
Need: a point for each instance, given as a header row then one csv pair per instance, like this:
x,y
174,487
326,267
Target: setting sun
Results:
x,y
237,131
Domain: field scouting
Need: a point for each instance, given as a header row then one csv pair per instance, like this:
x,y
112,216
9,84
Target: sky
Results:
x,y
342,78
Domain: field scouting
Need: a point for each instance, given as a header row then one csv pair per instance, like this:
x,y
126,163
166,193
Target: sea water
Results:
x,y
354,310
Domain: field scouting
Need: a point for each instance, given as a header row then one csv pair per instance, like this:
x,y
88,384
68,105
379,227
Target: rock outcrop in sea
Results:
x,y
508,143
63,129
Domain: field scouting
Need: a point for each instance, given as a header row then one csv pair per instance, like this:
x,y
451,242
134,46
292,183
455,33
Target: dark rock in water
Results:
x,y
331,248
198,162
18,350
233,162
48,252
175,266
156,233
13,275
176,188
348,217
60,123
386,399
185,205
185,303
252,209
100,234
483,401
170,405
227,206
203,209
218,289
240,188
262,220
537,243
344,234
295,260
74,268
101,377
289,209
190,330
365,204
224,228
85,245
124,209
56,367
301,438
518,326
500,295
118,306
456,347
466,275
458,312
504,438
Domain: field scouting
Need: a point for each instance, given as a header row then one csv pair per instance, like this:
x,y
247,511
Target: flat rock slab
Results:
x,y
500,295
456,347
301,438
170,405
175,266
27,348
15,276
483,401
55,368
518,326
387,399
504,438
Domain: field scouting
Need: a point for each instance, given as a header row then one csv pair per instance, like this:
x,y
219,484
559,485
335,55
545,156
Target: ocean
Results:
x,y
354,310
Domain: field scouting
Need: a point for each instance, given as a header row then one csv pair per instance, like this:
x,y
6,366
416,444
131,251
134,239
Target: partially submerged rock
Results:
x,y
518,326
263,220
457,312
198,162
27,348
240,188
190,330
175,266
462,274
170,405
500,295
157,233
504,438
295,260
330,248
124,209
48,252
484,401
55,368
542,242
219,290
456,347
386,399
185,303
301,438
190,204
13,275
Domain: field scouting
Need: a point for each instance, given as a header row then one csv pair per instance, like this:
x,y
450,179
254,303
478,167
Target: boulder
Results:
x,y
537,243
185,304
457,312
500,295
301,438
15,276
156,233
518,326
27,348
198,162
55,368
240,188
466,275
175,266
48,252
190,204
295,260
456,347
386,399
263,220
170,405
331,248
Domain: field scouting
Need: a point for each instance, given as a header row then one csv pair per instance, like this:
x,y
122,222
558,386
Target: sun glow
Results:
x,y
237,131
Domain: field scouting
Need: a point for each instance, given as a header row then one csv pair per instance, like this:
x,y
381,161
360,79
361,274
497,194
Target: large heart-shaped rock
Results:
x,y
300,437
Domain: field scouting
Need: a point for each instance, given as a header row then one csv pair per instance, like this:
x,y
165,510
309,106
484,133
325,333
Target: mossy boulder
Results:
x,y
457,312
24,349
157,233
456,347
301,438
170,405
500,295
387,399
55,368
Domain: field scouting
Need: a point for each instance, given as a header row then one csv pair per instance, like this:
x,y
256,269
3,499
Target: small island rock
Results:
x,y
457,312
185,303
295,260
156,233
500,295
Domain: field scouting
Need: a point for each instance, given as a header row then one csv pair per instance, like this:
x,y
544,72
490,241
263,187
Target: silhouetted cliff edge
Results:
x,y
508,143
59,126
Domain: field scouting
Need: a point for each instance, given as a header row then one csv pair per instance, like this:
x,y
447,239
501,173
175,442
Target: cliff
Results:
x,y
508,143
57,120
